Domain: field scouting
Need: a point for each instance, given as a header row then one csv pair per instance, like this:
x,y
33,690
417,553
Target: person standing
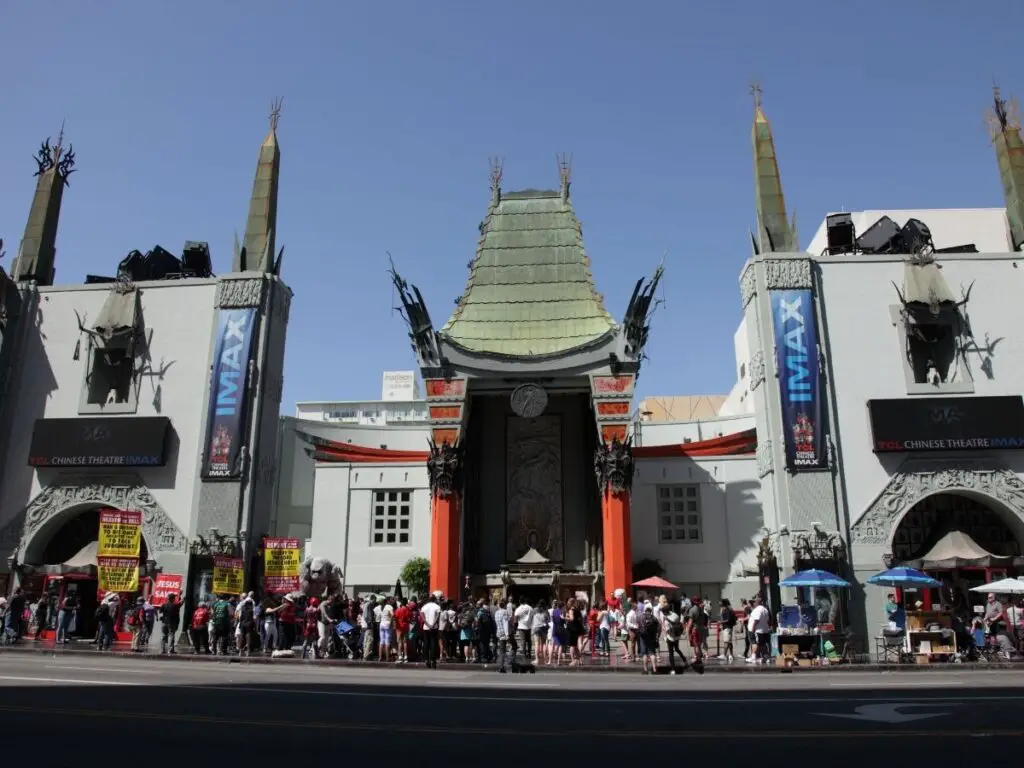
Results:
x,y
501,627
104,626
170,621
524,623
431,615
759,626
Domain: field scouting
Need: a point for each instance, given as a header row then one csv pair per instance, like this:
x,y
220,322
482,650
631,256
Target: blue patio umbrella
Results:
x,y
814,578
903,577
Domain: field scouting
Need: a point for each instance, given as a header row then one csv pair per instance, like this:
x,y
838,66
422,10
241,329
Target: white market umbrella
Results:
x,y
1002,587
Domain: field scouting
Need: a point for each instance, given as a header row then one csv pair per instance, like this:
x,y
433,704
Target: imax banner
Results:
x,y
796,358
225,422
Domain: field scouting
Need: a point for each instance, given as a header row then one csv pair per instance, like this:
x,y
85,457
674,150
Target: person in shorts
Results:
x,y
727,621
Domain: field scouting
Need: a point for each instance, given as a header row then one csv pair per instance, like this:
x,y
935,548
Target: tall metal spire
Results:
x,y
38,250
1004,128
259,228
774,231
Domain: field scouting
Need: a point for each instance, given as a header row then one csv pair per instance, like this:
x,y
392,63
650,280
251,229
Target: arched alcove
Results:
x,y
66,533
988,523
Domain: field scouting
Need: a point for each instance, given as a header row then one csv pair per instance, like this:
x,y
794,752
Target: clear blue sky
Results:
x,y
392,108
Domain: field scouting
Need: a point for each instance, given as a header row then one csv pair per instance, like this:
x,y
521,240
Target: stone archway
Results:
x,y
68,494
916,479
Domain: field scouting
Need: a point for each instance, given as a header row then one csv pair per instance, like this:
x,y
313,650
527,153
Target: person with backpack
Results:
x,y
467,640
484,626
104,627
220,625
647,639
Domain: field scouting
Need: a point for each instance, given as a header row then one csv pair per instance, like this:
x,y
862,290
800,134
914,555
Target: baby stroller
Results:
x,y
346,640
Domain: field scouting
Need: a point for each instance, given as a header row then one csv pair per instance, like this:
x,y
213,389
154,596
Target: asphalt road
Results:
x,y
310,712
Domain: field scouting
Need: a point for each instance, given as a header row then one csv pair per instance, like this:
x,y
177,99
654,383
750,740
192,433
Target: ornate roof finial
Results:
x,y
755,91
56,156
497,165
1004,115
275,113
564,169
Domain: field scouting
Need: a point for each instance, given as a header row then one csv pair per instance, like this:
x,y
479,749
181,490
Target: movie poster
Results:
x,y
225,422
796,359
281,565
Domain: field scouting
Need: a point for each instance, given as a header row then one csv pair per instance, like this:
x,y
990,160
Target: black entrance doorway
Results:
x,y
531,593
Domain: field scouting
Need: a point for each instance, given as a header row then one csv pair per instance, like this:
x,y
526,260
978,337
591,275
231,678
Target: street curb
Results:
x,y
624,670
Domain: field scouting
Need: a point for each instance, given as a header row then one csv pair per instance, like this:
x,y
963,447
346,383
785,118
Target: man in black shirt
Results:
x,y
170,620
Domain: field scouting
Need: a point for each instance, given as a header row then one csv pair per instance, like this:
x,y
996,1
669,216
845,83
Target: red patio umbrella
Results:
x,y
655,582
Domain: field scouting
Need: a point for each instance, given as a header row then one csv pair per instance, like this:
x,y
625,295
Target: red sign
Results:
x,y
166,584
613,385
445,387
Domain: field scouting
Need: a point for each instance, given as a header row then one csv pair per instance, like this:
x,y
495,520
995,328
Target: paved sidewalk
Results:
x,y
591,664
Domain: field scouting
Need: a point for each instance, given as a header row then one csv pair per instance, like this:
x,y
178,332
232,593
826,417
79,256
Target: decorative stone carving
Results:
x,y
755,369
528,401
919,478
765,464
283,302
787,273
122,491
444,466
533,518
238,294
613,465
748,286
818,545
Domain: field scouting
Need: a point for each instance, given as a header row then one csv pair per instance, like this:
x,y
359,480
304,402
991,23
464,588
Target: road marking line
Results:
x,y
471,684
64,680
449,729
128,670
901,684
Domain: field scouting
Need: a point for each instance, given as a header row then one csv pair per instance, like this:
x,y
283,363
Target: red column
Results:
x,y
445,560
618,540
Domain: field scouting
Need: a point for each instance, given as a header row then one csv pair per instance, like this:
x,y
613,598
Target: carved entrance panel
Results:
x,y
932,518
533,517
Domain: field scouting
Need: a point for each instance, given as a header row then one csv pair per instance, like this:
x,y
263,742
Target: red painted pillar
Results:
x,y
445,560
618,539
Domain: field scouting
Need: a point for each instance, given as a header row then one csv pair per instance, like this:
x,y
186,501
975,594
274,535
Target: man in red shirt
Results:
x,y
403,616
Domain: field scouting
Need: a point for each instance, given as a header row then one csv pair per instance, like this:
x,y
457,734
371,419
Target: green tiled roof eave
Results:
x,y
530,290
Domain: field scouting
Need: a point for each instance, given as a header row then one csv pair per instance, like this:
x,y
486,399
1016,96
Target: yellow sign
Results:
x,y
281,565
120,533
228,575
118,574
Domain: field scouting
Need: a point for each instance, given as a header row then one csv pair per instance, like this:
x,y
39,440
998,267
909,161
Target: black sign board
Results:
x,y
101,442
947,424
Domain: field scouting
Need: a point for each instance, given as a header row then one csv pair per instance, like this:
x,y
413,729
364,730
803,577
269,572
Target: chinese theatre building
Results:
x,y
139,411
523,479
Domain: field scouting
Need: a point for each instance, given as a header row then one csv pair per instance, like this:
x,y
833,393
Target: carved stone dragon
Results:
x,y
613,465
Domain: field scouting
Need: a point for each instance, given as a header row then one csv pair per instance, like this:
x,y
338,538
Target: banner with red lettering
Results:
x,y
166,584
281,565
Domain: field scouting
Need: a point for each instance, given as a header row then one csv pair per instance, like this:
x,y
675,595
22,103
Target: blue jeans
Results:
x,y
106,635
603,642
63,622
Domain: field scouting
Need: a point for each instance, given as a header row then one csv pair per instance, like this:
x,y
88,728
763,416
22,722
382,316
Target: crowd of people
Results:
x,y
389,629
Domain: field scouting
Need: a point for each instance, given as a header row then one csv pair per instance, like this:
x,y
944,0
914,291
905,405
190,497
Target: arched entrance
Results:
x,y
963,539
59,562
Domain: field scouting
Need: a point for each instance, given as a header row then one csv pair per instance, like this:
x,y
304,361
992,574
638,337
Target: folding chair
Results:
x,y
889,649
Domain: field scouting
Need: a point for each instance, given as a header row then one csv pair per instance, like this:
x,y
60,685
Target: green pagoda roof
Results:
x,y
530,291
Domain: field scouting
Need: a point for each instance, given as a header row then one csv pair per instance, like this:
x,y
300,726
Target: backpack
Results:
x,y
134,618
246,614
675,626
466,620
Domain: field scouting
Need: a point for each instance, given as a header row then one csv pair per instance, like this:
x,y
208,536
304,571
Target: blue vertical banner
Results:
x,y
796,360
225,421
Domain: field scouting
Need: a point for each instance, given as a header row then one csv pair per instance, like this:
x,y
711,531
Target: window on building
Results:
x,y
391,521
679,513
343,413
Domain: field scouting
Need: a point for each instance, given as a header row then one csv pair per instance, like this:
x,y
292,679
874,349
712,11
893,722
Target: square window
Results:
x,y
391,518
679,518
